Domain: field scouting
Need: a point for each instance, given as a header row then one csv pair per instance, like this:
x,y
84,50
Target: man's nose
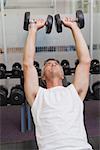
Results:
x,y
53,64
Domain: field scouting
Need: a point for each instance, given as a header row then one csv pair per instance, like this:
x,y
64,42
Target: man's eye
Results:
x,y
49,63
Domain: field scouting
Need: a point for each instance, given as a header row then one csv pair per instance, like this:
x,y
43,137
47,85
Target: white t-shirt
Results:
x,y
58,117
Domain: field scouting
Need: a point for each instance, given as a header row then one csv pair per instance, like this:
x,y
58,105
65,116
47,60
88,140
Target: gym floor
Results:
x,y
13,139
31,145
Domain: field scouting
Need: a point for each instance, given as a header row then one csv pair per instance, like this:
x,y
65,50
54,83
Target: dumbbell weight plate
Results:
x,y
96,90
80,17
66,67
2,70
3,95
76,62
95,66
17,96
16,69
26,20
58,23
49,24
36,64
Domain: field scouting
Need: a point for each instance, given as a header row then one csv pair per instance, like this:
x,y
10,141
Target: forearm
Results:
x,y
29,49
81,46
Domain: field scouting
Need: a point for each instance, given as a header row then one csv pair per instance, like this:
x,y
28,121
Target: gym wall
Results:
x,y
16,36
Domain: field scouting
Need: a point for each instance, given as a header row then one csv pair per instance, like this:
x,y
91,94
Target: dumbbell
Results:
x,y
89,94
37,66
66,67
48,23
76,62
65,82
2,70
17,96
16,69
96,90
79,19
42,83
3,95
95,66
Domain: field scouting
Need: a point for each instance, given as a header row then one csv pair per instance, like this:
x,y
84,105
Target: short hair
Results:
x,y
50,59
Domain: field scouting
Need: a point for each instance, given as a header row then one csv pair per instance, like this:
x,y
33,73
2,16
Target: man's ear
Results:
x,y
62,77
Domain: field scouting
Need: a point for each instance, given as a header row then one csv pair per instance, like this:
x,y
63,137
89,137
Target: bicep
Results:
x,y
31,84
81,79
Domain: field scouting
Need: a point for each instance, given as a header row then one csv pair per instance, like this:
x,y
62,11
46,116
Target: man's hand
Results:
x,y
69,22
37,24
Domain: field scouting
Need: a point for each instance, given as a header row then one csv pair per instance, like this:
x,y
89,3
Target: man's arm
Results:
x,y
31,84
81,79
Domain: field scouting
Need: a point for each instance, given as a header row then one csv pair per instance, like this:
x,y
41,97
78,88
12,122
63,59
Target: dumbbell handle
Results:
x,y
76,19
32,21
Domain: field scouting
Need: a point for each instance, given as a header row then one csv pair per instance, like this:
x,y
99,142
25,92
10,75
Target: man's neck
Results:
x,y
53,83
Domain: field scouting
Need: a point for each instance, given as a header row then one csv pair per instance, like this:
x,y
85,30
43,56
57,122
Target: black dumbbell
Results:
x,y
79,19
16,69
89,94
96,90
37,66
17,96
66,67
65,82
76,62
3,95
95,66
2,70
48,23
42,83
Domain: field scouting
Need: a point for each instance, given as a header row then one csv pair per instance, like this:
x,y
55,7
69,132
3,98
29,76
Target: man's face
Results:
x,y
52,69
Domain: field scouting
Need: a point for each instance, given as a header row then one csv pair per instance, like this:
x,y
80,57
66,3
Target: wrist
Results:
x,y
32,28
32,32
74,27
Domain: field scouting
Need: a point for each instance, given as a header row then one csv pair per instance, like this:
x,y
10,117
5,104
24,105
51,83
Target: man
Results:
x,y
57,111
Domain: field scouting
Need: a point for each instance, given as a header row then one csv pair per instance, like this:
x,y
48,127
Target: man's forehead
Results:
x,y
51,60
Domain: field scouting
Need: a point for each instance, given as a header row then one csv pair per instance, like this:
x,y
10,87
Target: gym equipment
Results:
x,y
96,90
79,19
89,94
66,67
4,3
48,23
16,69
42,83
3,95
76,62
95,66
2,70
58,23
17,96
65,82
37,66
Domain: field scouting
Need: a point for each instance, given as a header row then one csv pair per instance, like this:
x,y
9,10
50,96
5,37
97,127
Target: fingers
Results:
x,y
68,19
32,26
69,22
37,23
